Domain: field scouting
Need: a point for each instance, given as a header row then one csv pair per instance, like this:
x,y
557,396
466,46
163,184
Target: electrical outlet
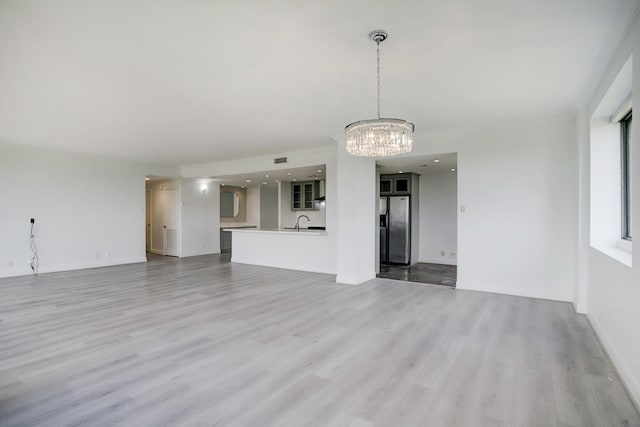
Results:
x,y
453,253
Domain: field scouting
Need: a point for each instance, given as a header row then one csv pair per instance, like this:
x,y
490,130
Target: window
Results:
x,y
625,136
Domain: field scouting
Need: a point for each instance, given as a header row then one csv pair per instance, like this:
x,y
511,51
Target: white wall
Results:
x,y
438,218
606,197
270,205
253,206
610,289
358,219
200,213
305,251
89,210
519,187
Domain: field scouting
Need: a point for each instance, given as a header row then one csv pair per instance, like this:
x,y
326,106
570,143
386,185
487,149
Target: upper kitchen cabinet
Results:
x,y
395,184
304,195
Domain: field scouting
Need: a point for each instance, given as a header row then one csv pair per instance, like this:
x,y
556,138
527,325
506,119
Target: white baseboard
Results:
x,y
442,260
529,293
287,267
629,381
200,252
79,266
156,251
353,280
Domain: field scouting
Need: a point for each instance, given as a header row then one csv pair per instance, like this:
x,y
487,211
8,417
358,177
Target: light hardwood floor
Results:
x,y
200,341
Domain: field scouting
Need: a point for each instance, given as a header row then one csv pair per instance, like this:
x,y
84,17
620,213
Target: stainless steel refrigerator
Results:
x,y
395,230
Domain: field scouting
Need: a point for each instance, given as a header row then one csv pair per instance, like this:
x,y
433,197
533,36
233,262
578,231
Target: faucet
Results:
x,y
298,221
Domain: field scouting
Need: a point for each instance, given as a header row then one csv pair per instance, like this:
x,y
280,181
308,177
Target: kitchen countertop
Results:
x,y
302,232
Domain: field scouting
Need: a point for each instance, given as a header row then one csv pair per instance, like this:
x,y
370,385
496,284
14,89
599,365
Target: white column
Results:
x,y
357,225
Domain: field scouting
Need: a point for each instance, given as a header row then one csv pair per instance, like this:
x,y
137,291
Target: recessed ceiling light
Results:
x,y
400,171
266,176
240,187
320,170
288,173
316,177
436,161
248,180
453,169
294,179
264,182
222,185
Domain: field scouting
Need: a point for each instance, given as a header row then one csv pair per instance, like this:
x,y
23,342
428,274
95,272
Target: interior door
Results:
x,y
171,222
148,220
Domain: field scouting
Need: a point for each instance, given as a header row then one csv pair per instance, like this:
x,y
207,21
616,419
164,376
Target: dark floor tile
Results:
x,y
435,274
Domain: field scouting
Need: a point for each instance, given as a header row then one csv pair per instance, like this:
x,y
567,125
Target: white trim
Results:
x,y
304,232
622,110
343,280
443,260
617,254
80,266
629,381
157,251
529,293
625,245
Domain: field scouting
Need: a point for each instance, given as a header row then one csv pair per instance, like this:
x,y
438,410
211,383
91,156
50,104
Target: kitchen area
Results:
x,y
417,215
276,218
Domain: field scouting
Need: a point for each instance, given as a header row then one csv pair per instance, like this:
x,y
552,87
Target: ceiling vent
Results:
x,y
280,160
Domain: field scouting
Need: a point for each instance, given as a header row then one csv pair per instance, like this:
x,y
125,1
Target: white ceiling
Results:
x,y
191,81
422,165
309,173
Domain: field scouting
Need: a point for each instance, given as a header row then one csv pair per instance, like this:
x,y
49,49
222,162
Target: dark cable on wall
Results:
x,y
34,249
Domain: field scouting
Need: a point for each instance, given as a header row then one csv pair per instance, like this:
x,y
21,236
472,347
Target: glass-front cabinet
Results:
x,y
395,184
303,195
296,197
309,195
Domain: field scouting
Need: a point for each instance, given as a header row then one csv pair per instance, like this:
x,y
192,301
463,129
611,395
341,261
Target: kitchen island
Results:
x,y
306,250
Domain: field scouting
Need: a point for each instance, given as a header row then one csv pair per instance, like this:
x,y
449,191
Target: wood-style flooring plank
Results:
x,y
204,342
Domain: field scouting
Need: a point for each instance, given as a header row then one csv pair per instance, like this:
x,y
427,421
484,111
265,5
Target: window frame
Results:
x,y
625,151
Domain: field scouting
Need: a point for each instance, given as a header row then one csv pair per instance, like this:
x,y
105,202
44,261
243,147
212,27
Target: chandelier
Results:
x,y
379,137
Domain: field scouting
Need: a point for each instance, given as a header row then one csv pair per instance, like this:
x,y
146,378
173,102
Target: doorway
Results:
x,y
426,228
162,226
